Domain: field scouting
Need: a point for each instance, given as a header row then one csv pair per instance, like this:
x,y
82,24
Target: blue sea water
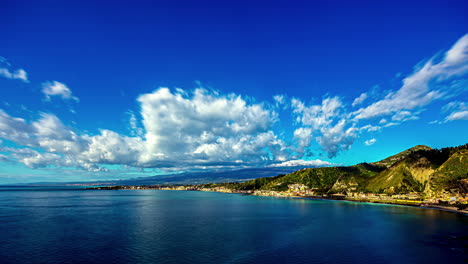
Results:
x,y
40,225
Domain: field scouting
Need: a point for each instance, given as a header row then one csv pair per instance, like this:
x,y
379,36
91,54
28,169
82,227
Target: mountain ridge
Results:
x,y
431,173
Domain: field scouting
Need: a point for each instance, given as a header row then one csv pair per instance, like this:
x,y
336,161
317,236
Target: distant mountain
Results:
x,y
431,172
182,178
208,177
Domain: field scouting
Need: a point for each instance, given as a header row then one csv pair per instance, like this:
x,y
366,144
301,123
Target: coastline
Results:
x,y
446,209
423,206
418,204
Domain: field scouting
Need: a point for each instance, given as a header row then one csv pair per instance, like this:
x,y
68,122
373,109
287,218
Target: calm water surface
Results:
x,y
148,226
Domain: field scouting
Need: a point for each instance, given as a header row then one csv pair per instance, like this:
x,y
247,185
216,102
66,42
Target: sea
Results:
x,y
74,225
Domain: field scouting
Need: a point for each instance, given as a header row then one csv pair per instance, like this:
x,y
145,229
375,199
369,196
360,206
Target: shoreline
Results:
x,y
418,205
422,206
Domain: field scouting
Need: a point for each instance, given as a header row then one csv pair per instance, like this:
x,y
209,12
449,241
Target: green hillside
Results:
x,y
420,169
447,178
397,157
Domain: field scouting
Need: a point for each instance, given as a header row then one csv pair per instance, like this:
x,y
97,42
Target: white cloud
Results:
x,y
41,160
53,136
370,128
461,115
206,128
15,129
458,54
302,163
390,124
317,116
134,125
5,72
59,145
55,88
327,122
180,130
304,136
370,142
434,80
337,138
49,126
19,74
457,110
335,129
112,148
454,106
359,100
402,116
280,100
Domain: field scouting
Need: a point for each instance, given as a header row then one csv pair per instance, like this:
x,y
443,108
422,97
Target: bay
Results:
x,y
63,225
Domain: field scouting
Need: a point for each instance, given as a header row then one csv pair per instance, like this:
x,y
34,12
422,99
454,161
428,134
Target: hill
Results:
x,y
397,157
421,169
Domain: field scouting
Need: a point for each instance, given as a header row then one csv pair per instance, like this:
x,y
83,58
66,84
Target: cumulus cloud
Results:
x,y
62,147
303,135
52,135
180,130
111,148
302,163
337,138
335,128
370,142
207,128
319,115
48,142
326,122
434,80
59,89
47,134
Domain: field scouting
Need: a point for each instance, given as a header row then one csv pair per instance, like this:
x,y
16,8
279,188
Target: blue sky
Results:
x,y
91,90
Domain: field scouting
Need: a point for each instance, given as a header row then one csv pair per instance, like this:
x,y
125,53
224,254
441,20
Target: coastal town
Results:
x,y
457,203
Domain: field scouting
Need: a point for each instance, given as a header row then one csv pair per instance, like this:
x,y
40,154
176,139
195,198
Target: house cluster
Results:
x,y
301,190
293,190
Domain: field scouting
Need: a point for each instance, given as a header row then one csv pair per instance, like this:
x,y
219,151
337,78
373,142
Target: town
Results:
x,y
456,203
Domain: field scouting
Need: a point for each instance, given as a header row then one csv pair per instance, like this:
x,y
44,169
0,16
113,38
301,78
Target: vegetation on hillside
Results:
x,y
416,170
